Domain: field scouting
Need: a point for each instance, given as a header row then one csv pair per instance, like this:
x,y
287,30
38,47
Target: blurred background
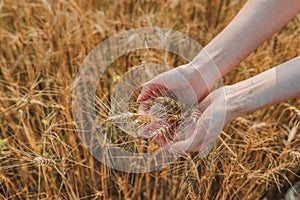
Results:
x,y
42,46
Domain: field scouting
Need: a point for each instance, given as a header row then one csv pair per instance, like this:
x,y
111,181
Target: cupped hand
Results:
x,y
184,83
216,113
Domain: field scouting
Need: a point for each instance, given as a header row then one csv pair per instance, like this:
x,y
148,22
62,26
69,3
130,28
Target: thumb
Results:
x,y
151,89
145,92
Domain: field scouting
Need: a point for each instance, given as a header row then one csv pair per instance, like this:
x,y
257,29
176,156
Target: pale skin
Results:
x,y
257,21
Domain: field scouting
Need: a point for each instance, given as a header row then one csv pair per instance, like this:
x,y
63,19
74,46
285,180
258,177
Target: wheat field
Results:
x,y
42,46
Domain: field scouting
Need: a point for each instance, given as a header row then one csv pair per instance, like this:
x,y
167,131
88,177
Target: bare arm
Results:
x,y
268,88
257,21
223,105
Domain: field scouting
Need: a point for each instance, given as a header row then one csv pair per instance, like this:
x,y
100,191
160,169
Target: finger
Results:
x,y
188,124
200,134
143,108
184,146
184,132
148,90
164,140
148,130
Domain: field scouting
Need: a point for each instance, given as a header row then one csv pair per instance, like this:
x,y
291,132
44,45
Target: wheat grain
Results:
x,y
42,161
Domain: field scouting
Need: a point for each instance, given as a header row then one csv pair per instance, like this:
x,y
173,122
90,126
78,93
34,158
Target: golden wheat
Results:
x,y
41,161
42,46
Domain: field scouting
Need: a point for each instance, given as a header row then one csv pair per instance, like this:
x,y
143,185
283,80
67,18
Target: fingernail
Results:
x,y
139,99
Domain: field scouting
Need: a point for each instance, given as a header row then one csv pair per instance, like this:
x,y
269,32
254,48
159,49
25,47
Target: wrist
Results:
x,y
205,69
237,100
267,88
222,55
248,95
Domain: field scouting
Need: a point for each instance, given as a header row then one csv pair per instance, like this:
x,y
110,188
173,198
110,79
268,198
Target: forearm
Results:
x,y
257,21
268,88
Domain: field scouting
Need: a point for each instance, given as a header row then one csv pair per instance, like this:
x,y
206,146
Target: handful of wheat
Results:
x,y
164,111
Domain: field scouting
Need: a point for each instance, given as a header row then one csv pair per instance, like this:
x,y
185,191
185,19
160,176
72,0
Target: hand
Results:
x,y
216,113
186,85
275,85
185,82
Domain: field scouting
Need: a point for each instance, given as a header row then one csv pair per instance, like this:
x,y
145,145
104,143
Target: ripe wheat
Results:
x,y
163,110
